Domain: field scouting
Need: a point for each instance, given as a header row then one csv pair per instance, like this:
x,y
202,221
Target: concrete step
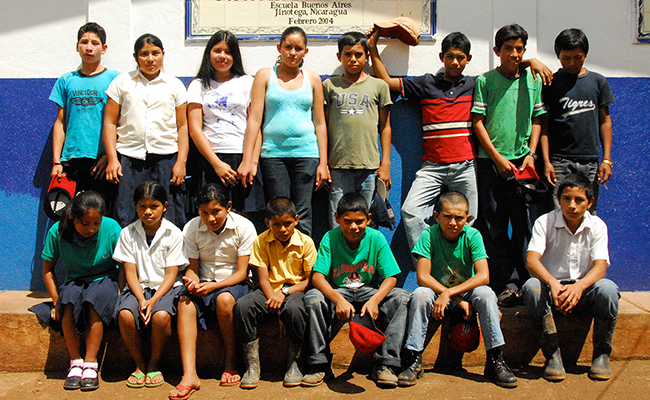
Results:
x,y
27,345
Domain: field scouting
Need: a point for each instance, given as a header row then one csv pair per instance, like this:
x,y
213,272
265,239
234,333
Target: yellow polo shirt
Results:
x,y
291,264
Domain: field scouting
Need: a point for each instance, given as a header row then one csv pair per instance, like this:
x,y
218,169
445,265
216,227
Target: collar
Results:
x,y
586,223
137,76
441,78
139,228
230,224
294,240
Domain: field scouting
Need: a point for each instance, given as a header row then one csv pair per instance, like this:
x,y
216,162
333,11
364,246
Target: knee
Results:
x,y
125,317
314,299
422,296
161,318
532,289
484,297
225,304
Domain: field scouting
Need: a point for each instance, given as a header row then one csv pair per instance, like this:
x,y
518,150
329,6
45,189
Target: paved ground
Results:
x,y
631,381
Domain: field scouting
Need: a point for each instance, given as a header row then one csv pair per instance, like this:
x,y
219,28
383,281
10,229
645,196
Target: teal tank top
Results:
x,y
288,129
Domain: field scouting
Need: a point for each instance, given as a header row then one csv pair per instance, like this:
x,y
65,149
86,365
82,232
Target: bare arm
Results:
x,y
535,132
111,116
549,169
504,166
605,170
322,172
248,168
344,310
52,286
372,305
385,137
378,66
538,68
58,138
178,170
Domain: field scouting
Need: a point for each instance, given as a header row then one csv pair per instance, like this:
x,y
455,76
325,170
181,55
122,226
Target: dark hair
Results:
x,y
280,206
144,39
206,70
577,180
510,32
354,38
150,190
82,203
92,27
290,31
212,191
452,198
352,202
457,40
571,39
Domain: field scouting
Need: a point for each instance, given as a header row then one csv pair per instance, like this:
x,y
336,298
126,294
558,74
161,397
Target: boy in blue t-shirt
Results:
x,y
355,271
77,146
453,272
578,104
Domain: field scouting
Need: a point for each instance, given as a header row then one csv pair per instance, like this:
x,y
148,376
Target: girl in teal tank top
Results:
x,y
287,112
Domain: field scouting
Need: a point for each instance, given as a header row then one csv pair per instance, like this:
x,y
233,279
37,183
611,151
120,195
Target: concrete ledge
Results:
x,y
27,345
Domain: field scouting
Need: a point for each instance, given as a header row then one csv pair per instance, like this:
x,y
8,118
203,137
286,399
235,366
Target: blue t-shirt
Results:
x,y
86,260
84,99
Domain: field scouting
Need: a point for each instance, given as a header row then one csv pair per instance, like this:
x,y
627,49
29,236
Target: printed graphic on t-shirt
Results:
x,y
452,278
350,104
220,105
85,98
354,279
573,107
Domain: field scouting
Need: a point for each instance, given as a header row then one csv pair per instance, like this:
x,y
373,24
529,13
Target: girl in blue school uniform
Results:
x,y
84,241
145,131
151,251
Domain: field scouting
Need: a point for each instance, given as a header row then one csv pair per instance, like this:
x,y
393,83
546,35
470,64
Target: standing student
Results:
x,y
145,131
287,103
84,240
506,118
151,251
578,103
218,244
218,103
77,146
357,106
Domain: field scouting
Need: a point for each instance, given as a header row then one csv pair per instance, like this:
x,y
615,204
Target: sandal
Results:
x,y
180,388
151,376
89,383
138,376
228,374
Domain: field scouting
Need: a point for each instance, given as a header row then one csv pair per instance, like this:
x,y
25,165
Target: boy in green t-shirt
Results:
x,y
453,272
506,119
357,106
283,257
355,271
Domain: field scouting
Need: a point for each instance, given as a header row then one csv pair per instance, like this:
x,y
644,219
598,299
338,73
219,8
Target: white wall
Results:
x,y
37,37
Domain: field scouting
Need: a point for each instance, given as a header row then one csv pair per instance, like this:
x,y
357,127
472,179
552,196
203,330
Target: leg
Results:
x,y
418,206
294,318
187,333
73,343
225,303
462,178
94,334
420,308
394,307
521,233
131,337
275,176
249,311
342,183
160,169
161,330
302,172
364,182
133,173
537,297
320,314
484,301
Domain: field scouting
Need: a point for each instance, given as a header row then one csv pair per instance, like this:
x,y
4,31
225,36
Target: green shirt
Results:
x,y
87,260
368,265
508,106
353,121
451,263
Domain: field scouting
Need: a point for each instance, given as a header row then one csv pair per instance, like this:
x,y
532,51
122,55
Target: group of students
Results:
x,y
307,135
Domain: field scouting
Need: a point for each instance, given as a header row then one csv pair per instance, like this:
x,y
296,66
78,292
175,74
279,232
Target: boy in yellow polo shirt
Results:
x,y
284,257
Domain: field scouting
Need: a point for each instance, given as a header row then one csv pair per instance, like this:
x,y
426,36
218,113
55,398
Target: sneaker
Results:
x,y
497,371
317,375
384,376
508,298
410,375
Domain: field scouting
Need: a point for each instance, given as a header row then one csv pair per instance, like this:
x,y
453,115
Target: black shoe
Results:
x,y
497,371
88,384
72,383
410,375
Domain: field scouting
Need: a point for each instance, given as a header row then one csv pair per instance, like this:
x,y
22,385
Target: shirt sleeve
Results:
x,y
386,262
58,94
413,88
176,252
423,246
189,240
599,246
309,255
605,95
480,97
124,248
384,95
477,247
538,108
51,248
194,94
180,95
247,237
326,93
259,257
323,262
539,236
114,90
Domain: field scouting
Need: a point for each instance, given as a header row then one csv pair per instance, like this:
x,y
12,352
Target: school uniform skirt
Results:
x,y
166,303
206,306
102,295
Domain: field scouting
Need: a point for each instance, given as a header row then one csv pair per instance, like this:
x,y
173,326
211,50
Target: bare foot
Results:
x,y
185,386
136,379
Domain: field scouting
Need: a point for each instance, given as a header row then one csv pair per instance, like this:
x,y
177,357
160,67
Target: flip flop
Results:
x,y
180,388
137,376
152,375
226,375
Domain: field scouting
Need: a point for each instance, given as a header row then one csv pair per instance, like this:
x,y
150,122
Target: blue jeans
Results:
x,y
293,178
482,299
499,207
599,299
430,181
321,312
350,180
564,168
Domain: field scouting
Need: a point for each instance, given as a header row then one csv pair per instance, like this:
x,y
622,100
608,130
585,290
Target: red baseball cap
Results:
x,y
364,334
59,195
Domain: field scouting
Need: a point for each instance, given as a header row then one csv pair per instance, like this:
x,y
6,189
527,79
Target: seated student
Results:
x,y
355,272
453,272
284,258
218,244
568,258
